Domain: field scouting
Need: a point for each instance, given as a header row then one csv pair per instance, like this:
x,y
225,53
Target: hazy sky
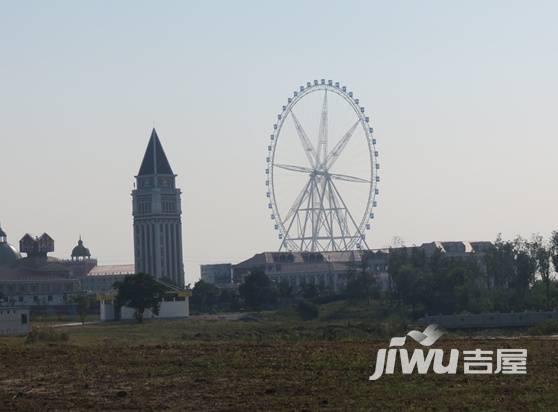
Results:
x,y
462,95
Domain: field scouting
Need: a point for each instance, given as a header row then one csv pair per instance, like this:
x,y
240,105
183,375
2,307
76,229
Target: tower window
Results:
x,y
144,207
144,204
169,204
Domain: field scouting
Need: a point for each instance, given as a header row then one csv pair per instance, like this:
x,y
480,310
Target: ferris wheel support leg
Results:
x,y
340,220
286,236
322,217
306,215
358,232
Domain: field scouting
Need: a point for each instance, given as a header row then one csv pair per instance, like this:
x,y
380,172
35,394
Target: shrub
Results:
x,y
45,335
321,300
395,326
548,327
258,291
307,310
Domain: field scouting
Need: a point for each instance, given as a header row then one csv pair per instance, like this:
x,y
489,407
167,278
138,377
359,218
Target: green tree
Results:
x,y
83,303
499,262
542,256
409,274
554,249
511,267
258,291
309,291
140,292
435,283
361,281
205,296
307,310
452,285
229,300
284,289
526,256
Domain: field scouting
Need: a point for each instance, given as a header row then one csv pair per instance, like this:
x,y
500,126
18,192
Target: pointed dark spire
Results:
x,y
155,161
3,234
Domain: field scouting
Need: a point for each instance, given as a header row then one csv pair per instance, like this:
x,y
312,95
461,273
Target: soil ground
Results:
x,y
227,365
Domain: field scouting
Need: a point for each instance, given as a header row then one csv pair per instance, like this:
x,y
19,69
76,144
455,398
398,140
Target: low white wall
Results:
x,y
173,309
107,310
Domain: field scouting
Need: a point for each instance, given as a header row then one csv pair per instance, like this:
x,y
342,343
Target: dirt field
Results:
x,y
179,366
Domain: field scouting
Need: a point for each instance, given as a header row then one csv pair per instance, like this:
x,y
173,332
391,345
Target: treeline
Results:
x,y
257,292
514,275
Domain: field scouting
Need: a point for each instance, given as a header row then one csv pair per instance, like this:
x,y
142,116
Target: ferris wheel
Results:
x,y
330,205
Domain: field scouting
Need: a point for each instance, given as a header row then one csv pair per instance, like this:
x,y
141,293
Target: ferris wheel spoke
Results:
x,y
298,201
348,178
322,137
294,168
340,146
306,143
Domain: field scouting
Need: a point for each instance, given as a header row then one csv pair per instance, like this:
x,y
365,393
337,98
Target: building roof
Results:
x,y
15,308
8,254
27,238
11,274
457,248
452,248
45,236
155,161
111,270
302,257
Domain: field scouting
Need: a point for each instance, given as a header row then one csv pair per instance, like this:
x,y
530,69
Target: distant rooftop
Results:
x,y
111,270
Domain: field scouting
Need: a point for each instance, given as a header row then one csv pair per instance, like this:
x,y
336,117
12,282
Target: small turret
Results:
x,y
36,247
80,252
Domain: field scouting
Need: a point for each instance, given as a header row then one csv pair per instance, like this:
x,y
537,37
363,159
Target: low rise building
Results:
x,y
25,286
38,279
331,270
220,274
327,270
47,284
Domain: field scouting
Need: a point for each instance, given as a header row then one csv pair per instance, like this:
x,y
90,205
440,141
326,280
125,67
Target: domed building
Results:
x,y
8,253
80,252
49,284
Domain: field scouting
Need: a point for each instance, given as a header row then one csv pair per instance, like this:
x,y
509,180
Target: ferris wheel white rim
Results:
x,y
279,224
